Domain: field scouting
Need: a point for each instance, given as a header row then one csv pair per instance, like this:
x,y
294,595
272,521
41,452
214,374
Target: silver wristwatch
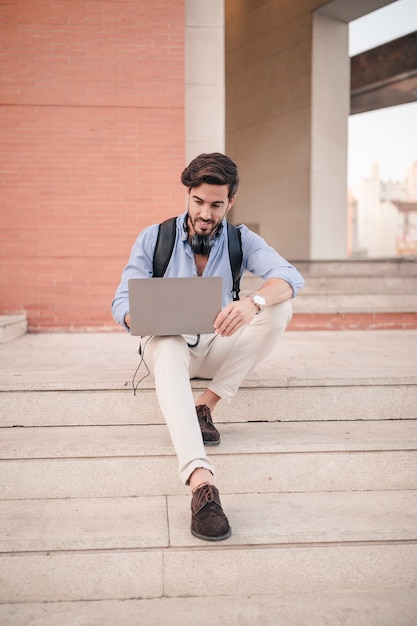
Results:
x,y
259,301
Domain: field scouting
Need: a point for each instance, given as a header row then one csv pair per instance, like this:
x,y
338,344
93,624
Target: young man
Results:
x,y
244,332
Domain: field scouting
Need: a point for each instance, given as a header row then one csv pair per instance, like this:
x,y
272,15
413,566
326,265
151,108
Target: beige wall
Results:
x,y
268,118
287,105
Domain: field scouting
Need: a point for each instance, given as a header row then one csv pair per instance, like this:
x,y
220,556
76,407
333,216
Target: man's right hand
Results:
x,y
127,320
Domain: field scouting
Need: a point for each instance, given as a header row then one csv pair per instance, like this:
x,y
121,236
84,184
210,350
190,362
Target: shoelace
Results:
x,y
204,414
206,493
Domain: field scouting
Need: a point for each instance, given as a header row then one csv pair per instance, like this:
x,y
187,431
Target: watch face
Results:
x,y
259,300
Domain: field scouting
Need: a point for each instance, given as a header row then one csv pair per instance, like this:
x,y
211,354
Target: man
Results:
x,y
244,332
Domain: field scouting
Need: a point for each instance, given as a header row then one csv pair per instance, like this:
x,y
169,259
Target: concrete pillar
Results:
x,y
330,104
204,77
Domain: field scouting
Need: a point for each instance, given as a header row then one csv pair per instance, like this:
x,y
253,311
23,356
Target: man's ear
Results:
x,y
231,202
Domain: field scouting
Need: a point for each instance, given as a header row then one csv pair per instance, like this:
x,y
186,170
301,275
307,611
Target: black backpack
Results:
x,y
165,244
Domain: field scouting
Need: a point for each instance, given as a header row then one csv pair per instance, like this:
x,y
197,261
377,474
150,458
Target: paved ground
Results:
x,y
314,609
47,360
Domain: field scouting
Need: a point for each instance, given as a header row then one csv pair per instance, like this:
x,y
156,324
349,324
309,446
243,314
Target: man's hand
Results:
x,y
234,316
237,314
127,320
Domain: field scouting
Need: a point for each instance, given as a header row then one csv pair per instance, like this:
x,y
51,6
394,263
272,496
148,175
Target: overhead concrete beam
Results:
x,y
352,10
385,76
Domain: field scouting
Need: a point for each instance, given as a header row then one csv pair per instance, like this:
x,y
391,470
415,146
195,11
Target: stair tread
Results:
x,y
158,522
237,438
352,608
100,361
83,524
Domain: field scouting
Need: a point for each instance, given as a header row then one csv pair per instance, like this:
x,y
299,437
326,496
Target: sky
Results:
x,y
387,137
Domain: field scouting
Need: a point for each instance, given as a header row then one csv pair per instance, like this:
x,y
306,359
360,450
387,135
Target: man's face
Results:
x,y
207,206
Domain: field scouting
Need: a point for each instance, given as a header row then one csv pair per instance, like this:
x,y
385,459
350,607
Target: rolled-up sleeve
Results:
x,y
263,261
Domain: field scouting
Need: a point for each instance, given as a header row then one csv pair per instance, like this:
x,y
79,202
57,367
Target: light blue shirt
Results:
x,y
258,258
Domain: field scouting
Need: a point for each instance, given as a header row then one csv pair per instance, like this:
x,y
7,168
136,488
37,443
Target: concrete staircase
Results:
x,y
354,295
317,470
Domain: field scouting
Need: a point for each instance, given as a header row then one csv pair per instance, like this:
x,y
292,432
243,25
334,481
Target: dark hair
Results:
x,y
214,169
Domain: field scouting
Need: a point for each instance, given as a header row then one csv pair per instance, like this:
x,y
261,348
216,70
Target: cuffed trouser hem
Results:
x,y
185,474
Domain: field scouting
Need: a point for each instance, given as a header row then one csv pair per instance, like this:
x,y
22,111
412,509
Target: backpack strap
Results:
x,y
164,246
236,256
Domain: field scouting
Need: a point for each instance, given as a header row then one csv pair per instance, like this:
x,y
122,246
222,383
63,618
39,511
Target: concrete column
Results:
x,y
330,103
204,77
268,119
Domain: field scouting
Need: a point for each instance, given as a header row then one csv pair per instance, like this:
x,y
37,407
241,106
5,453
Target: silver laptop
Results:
x,y
174,306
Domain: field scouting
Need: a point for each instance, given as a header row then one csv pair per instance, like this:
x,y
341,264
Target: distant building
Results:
x,y
352,226
407,236
383,222
411,182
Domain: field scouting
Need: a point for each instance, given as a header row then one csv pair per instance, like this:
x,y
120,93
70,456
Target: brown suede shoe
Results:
x,y
211,436
208,520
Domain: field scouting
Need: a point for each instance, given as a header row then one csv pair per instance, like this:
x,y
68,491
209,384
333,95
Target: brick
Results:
x,y
91,147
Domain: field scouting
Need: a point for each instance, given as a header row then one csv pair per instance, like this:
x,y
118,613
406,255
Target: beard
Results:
x,y
204,227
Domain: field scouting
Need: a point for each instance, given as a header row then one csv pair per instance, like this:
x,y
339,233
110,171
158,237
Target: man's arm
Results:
x,y
138,266
238,314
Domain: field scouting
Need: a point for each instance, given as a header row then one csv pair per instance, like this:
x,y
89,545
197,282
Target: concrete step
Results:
x,y
83,462
325,301
396,399
12,327
346,284
350,608
372,267
62,380
114,548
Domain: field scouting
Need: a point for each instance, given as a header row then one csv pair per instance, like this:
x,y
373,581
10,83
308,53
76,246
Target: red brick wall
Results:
x,y
92,147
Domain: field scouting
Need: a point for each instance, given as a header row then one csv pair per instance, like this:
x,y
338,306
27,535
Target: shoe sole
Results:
x,y
221,538
211,443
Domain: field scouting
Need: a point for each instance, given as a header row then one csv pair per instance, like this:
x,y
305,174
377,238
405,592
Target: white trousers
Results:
x,y
225,361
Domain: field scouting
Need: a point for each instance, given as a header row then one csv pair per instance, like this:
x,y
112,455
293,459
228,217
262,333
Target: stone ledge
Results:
x,y
12,327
